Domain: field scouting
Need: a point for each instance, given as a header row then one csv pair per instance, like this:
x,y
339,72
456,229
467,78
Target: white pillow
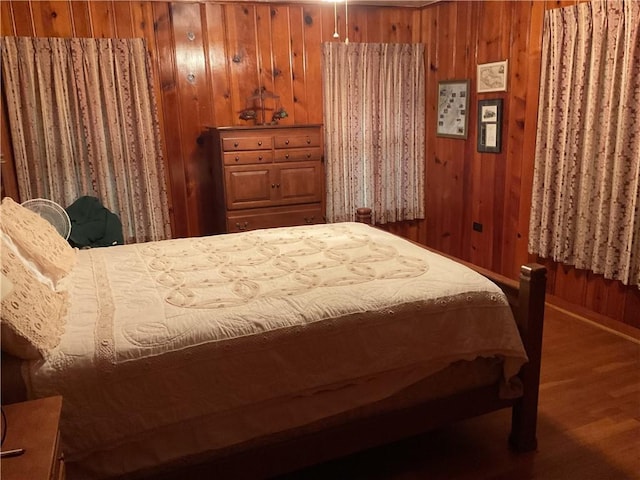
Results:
x,y
33,268
33,314
36,240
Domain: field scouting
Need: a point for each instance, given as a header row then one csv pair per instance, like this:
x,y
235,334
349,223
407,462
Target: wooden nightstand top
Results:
x,y
32,425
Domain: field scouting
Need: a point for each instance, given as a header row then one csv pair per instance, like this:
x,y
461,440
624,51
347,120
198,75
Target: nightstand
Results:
x,y
34,426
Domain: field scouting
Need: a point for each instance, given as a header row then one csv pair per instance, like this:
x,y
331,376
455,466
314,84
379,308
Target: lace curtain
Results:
x,y
83,121
586,192
374,117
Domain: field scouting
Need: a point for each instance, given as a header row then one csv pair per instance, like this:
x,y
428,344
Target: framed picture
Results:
x,y
490,125
453,103
492,77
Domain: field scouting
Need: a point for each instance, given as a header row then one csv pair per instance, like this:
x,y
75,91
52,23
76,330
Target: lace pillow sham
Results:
x,y
32,314
37,240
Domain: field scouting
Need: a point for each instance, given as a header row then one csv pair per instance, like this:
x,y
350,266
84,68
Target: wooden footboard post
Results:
x,y
363,215
531,302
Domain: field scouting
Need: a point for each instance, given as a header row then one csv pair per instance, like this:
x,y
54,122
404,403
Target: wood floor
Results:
x,y
588,425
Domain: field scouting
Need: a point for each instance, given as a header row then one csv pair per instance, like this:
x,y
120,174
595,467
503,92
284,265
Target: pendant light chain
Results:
x,y
346,21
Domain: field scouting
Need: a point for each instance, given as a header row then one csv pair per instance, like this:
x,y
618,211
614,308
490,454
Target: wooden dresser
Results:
x,y
267,176
33,426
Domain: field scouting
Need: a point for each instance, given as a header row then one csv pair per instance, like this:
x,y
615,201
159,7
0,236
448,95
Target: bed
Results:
x,y
253,354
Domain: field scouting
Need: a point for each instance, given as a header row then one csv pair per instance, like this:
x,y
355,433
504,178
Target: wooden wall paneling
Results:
x,y
426,33
443,188
616,306
312,41
22,19
218,73
395,25
632,306
281,56
102,21
122,19
405,229
264,53
416,27
603,296
552,268
433,200
493,45
332,19
499,171
570,284
513,143
409,23
194,113
6,20
52,19
399,23
534,58
461,165
347,18
142,26
243,64
168,98
298,17
551,4
81,19
499,167
358,23
429,26
465,68
376,26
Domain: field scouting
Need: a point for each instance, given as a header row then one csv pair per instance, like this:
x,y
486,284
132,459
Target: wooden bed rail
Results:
x,y
527,301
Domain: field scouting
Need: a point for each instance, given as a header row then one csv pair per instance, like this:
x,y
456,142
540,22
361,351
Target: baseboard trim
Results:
x,y
605,323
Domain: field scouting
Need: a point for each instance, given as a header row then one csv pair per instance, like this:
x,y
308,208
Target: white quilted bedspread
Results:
x,y
234,336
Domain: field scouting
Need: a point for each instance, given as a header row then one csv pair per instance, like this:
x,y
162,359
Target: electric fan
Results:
x,y
51,212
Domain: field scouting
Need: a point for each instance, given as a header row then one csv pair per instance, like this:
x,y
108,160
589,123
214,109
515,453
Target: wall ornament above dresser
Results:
x,y
261,102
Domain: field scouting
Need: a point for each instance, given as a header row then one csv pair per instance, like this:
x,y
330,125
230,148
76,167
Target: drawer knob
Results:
x,y
286,155
273,185
235,144
242,226
237,159
277,185
309,220
260,157
260,143
286,142
308,141
308,155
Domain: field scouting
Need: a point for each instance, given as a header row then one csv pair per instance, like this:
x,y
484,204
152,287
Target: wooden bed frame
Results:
x,y
290,451
297,450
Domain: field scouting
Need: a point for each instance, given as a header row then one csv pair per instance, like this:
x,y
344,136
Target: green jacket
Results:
x,y
93,225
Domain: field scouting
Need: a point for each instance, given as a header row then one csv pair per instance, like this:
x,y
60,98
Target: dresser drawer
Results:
x,y
296,139
251,157
254,142
297,154
289,217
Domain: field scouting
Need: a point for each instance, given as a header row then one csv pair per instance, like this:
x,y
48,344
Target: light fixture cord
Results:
x,y
335,19
346,21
